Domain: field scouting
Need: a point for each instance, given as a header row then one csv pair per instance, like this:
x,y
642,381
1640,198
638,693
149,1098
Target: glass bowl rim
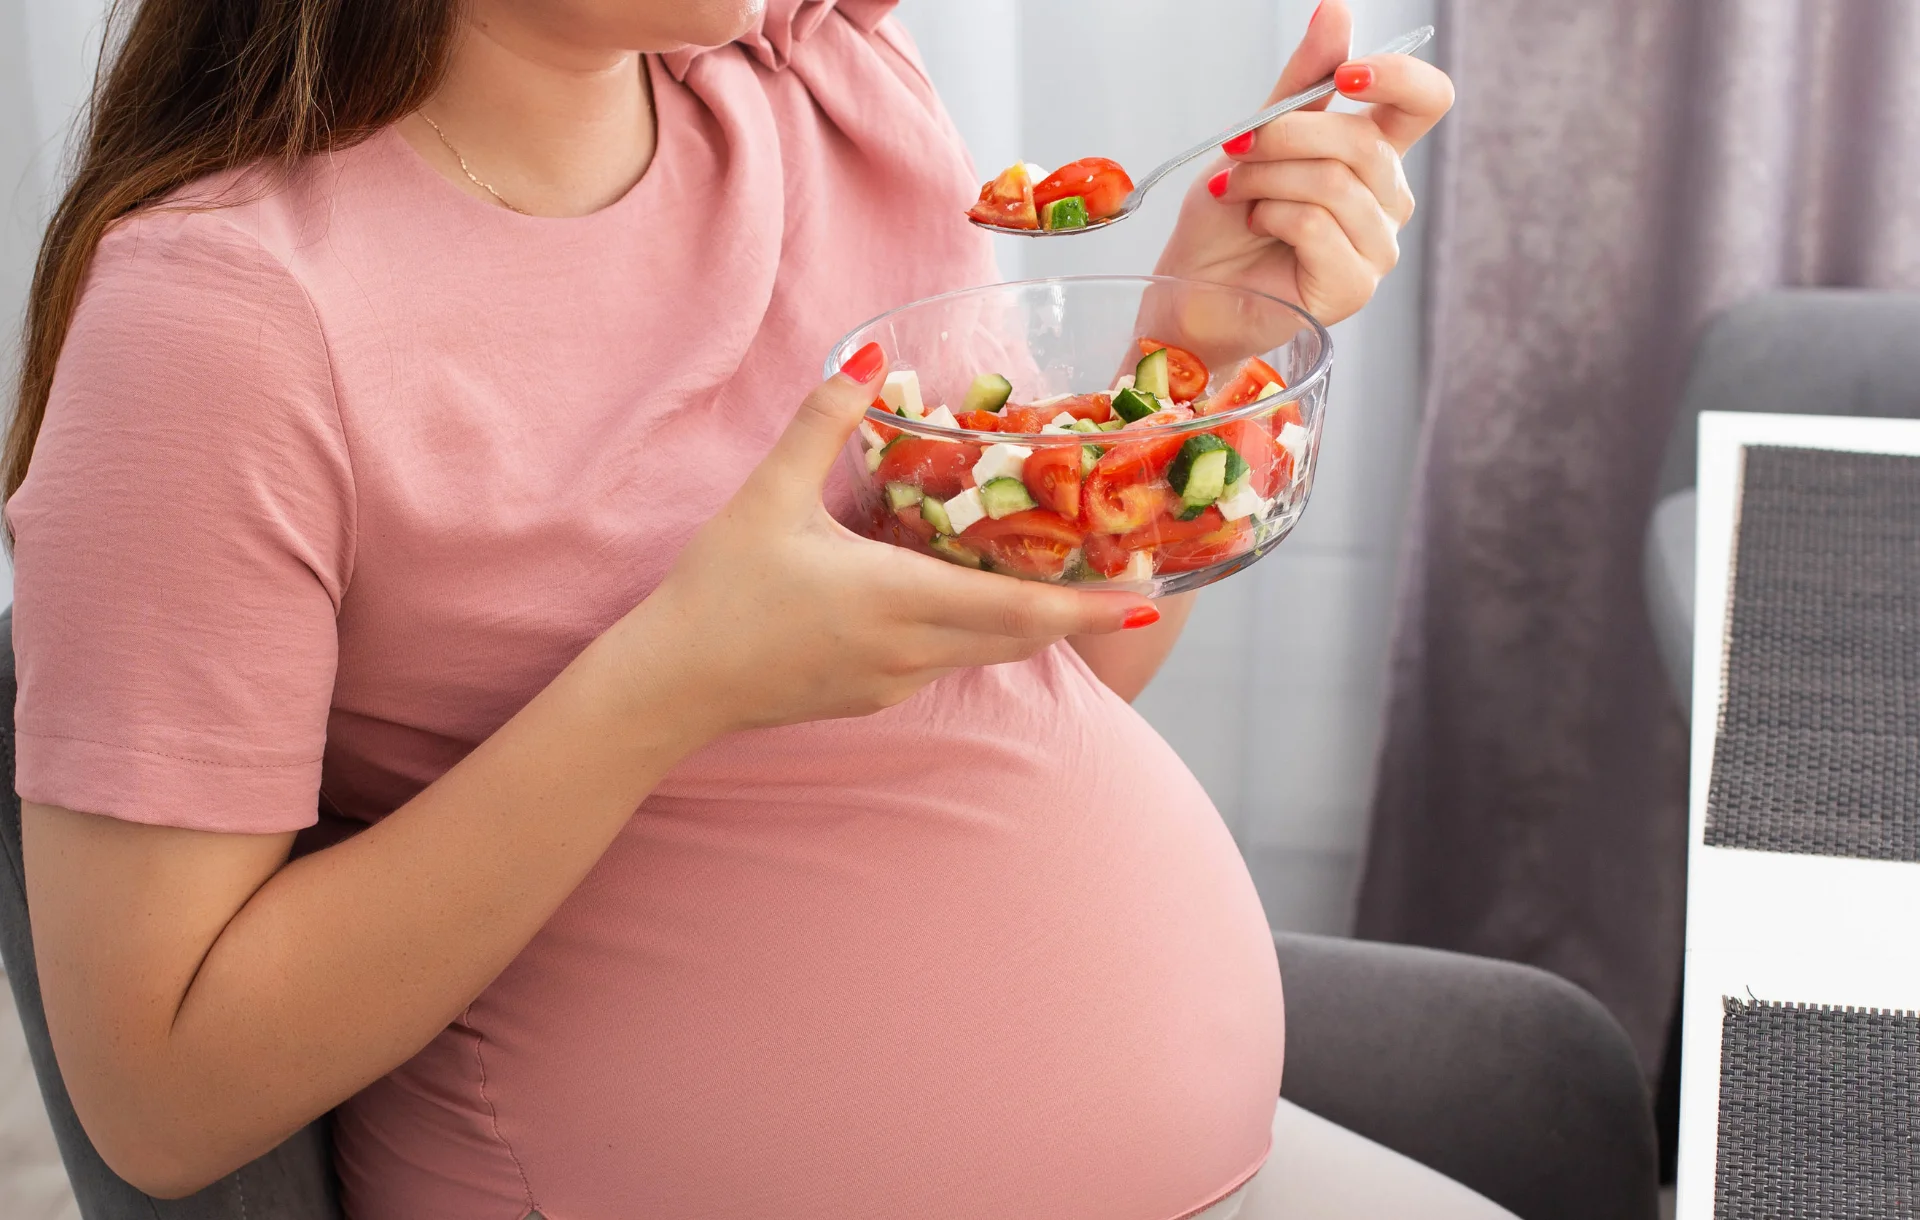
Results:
x,y
1199,423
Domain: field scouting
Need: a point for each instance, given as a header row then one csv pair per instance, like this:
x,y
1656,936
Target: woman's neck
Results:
x,y
556,128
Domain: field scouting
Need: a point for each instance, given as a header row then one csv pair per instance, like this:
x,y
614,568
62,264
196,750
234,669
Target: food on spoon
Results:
x,y
1094,486
1074,196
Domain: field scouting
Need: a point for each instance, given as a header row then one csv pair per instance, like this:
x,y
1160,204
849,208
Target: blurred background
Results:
x,y
1436,714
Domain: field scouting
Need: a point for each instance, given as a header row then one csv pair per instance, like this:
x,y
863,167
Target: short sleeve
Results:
x,y
183,541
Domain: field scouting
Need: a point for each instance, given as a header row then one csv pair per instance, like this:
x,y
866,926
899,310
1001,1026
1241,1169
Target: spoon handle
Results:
x,y
1406,44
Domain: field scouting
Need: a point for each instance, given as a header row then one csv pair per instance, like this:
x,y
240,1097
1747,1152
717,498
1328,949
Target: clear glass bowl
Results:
x,y
1125,525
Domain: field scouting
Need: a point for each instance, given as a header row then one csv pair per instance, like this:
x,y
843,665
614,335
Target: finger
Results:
x,y
995,605
805,453
1408,95
1324,47
1331,185
1351,139
1329,265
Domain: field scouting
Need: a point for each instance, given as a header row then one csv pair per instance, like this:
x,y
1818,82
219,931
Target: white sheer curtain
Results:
x,y
1274,696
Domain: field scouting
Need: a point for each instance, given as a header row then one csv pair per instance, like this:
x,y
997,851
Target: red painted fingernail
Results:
x,y
1316,13
863,364
1141,616
1353,78
1217,185
1240,145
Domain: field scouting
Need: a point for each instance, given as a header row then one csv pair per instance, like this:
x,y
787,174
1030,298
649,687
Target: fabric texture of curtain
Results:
x,y
1612,176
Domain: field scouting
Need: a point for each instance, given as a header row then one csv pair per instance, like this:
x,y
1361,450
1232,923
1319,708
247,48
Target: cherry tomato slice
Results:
x,y
1127,486
1186,372
1034,543
1025,419
1052,476
1267,463
1106,555
1243,387
939,468
1184,546
1007,201
914,523
1102,183
979,421
1095,407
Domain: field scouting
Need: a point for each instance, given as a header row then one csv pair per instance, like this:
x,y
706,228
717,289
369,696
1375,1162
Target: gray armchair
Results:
x,y
1500,1076
1800,352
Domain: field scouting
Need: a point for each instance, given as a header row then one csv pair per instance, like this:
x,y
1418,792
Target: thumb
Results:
x,y
1326,45
805,453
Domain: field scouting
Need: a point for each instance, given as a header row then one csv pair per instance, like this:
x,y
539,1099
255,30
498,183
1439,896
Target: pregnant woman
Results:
x,y
408,446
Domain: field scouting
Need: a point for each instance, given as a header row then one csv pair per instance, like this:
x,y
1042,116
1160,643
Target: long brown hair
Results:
x,y
192,87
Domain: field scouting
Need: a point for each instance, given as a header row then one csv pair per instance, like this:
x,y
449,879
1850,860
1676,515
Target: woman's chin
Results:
x,y
713,23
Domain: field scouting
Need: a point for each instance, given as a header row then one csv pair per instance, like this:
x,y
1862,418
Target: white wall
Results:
x,y
1274,696
46,66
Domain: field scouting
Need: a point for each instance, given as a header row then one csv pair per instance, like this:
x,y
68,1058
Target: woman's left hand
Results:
x,y
1309,208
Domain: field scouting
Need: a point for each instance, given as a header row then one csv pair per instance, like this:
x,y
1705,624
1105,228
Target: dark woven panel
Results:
x,y
1819,745
1819,1114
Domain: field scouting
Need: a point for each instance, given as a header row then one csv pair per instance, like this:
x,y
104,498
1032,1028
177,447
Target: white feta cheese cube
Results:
x,y
1000,461
943,417
1241,501
1063,421
1295,439
1267,391
965,509
1050,400
871,435
1034,173
1139,567
873,461
902,392
1125,383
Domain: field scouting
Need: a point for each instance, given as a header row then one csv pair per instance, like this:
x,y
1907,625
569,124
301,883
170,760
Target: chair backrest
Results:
x,y
293,1182
1800,352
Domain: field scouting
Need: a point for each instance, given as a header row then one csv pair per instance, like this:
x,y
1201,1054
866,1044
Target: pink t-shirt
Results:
x,y
335,479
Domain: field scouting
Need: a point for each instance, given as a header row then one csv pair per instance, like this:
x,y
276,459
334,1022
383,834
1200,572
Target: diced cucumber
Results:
x,y
952,551
961,512
1085,425
1150,376
1068,213
1236,466
1268,390
1199,473
1131,404
989,392
1113,425
934,513
1089,455
902,495
1000,460
1004,497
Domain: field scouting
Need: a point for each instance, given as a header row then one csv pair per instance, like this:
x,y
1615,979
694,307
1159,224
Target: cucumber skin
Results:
x,y
1150,376
934,513
1130,405
902,495
1004,496
1195,448
953,552
1089,456
1067,213
989,392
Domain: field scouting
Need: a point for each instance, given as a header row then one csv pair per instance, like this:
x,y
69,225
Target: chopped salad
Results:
x,y
1074,196
1129,502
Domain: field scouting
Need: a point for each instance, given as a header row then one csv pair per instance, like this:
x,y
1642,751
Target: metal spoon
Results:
x,y
1406,44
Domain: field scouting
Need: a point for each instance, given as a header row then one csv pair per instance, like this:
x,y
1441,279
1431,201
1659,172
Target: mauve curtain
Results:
x,y
1612,175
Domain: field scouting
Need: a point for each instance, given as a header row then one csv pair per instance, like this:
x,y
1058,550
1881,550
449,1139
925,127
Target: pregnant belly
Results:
x,y
1026,975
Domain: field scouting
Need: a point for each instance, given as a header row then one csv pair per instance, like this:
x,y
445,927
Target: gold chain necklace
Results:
x,y
471,176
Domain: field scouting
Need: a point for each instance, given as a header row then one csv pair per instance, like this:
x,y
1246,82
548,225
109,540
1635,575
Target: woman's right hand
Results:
x,y
776,613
